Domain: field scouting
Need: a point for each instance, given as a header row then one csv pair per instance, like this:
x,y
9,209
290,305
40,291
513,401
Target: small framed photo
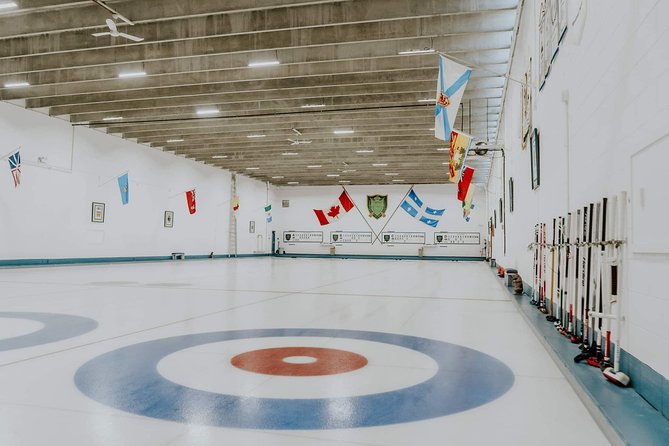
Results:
x,y
535,159
98,213
168,219
252,227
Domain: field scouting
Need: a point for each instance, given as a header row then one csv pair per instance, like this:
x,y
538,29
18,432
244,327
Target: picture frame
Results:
x,y
168,219
252,227
535,160
511,195
98,212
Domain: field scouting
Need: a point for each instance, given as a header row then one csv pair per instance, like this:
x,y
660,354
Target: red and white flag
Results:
x,y
327,216
190,198
465,181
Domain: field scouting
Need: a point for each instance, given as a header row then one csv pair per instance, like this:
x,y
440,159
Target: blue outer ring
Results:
x,y
57,327
128,379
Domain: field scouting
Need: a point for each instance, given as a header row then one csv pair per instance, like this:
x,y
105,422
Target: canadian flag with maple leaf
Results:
x,y
327,216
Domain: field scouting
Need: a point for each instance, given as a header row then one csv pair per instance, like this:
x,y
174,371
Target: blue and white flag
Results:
x,y
418,210
15,167
123,187
451,86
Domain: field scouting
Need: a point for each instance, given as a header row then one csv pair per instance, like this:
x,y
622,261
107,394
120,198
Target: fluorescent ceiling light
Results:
x,y
344,181
313,106
218,157
380,164
208,111
278,177
175,140
112,118
432,129
253,168
16,84
391,174
427,100
293,182
443,149
259,135
290,153
132,74
343,132
348,171
9,5
446,163
266,63
416,51
398,181
314,166
364,151
332,175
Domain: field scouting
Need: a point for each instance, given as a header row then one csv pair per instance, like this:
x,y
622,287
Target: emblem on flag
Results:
x,y
460,144
235,203
451,85
123,187
415,207
377,205
190,199
343,205
15,166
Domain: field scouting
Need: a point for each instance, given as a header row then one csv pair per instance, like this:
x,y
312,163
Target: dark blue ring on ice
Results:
x,y
57,327
128,379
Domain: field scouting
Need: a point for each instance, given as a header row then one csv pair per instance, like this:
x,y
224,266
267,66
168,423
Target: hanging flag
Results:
x,y
451,85
460,143
468,204
268,208
123,187
15,166
190,198
269,219
418,210
343,205
464,182
235,203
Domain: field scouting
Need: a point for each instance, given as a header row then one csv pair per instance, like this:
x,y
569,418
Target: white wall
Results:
x,y
49,214
613,70
303,200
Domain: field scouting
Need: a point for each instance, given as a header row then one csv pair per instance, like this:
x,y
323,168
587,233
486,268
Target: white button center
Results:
x,y
299,359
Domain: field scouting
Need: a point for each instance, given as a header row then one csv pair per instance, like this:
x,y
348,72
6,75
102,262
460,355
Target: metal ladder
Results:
x,y
232,234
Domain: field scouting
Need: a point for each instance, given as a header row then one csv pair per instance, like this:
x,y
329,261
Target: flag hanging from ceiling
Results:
x,y
451,86
418,210
342,206
464,182
269,219
190,198
268,208
460,143
15,166
268,211
235,203
468,203
123,187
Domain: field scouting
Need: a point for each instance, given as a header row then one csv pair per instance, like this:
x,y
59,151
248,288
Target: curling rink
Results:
x,y
276,351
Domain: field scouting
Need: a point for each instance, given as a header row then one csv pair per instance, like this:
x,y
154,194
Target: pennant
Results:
x,y
451,86
235,204
460,143
15,166
468,204
343,205
418,210
190,198
268,208
123,187
464,182
269,219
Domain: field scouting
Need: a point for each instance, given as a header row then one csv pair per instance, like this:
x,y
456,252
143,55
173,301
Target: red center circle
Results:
x,y
270,361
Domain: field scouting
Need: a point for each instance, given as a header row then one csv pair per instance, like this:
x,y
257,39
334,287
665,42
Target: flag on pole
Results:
x,y
268,211
343,205
190,198
269,219
235,203
418,210
451,86
468,204
460,143
15,166
268,208
464,182
123,187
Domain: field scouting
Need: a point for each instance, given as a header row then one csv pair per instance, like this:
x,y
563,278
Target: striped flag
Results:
x,y
15,166
418,210
460,143
451,86
343,205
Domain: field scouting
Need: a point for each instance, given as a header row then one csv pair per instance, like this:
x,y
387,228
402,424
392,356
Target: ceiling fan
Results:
x,y
297,142
114,32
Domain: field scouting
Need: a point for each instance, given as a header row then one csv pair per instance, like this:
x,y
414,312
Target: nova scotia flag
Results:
x,y
418,210
451,86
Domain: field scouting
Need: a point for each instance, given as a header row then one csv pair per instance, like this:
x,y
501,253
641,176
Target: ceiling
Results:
x,y
339,68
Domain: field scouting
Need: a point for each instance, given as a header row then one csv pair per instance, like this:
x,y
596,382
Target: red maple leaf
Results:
x,y
334,211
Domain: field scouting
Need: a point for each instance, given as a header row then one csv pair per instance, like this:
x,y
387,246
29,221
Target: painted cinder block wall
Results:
x,y
603,121
49,215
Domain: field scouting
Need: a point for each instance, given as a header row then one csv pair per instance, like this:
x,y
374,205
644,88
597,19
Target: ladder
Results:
x,y
232,231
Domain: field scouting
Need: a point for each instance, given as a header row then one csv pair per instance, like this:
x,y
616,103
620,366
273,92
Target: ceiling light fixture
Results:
x,y
364,151
332,175
443,149
278,177
266,63
290,154
344,181
175,140
391,174
398,181
253,168
16,84
380,164
9,5
313,106
112,118
217,157
427,100
293,182
131,74
344,132
417,51
257,135
208,111
314,166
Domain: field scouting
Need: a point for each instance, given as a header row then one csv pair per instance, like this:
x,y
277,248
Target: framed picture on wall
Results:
x,y
511,195
535,159
168,219
252,227
98,213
